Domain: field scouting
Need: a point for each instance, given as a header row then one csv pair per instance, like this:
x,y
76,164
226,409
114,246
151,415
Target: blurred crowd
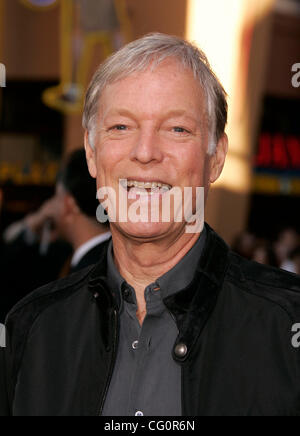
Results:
x,y
282,252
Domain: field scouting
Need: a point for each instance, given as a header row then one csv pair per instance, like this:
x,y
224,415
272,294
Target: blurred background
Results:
x,y
49,49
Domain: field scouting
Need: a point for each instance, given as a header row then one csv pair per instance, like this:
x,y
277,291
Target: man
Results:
x,y
169,322
62,237
73,213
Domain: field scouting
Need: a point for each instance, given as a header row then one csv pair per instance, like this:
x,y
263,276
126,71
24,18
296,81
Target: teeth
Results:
x,y
146,185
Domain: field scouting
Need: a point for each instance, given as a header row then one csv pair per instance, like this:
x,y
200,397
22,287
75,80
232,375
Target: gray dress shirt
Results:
x,y
146,380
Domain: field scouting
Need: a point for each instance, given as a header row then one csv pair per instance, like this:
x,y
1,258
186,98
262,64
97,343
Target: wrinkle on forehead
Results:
x,y
171,71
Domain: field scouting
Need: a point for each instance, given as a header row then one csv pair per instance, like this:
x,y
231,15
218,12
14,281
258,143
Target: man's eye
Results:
x,y
119,127
180,130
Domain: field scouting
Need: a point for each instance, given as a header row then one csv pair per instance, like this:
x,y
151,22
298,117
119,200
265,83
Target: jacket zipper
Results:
x,y
112,363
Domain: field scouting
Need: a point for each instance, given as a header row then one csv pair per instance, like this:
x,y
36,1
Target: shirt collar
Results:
x,y
88,246
175,280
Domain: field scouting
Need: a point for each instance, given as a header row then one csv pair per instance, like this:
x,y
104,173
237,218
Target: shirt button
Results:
x,y
181,350
135,345
139,413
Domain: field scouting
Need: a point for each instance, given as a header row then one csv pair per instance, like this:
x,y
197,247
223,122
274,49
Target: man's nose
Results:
x,y
147,147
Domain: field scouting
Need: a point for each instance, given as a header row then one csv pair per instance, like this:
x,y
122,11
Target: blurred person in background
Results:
x,y
288,240
295,256
73,213
263,253
267,252
292,264
62,237
244,244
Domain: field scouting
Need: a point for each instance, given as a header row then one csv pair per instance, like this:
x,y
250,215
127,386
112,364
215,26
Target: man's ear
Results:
x,y
90,155
218,159
70,207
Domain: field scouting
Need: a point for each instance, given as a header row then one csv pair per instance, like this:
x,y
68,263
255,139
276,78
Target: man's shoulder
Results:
x,y
272,284
263,274
52,292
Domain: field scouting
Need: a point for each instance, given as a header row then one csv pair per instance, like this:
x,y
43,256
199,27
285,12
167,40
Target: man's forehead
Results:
x,y
174,97
168,72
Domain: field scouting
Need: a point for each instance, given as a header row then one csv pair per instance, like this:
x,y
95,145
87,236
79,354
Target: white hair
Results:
x,y
152,50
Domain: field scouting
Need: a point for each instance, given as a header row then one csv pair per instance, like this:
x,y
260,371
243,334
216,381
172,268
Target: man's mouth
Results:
x,y
148,186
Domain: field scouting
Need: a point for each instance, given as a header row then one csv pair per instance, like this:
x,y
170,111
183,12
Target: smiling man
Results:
x,y
170,322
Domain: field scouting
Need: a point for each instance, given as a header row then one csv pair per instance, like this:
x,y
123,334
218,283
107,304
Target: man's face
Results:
x,y
152,127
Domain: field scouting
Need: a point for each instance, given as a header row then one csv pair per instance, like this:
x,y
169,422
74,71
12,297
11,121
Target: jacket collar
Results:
x,y
193,305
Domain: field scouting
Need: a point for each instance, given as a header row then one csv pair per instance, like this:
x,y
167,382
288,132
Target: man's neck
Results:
x,y
84,231
140,263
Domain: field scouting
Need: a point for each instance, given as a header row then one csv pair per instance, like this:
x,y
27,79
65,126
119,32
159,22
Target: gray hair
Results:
x,y
152,50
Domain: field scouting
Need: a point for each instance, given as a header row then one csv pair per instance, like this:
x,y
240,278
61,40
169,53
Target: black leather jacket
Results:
x,y
235,320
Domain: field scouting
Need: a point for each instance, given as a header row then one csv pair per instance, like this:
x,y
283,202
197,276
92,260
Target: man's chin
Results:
x,y
146,230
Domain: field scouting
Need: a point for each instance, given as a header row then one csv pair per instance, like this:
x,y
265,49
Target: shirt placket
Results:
x,y
142,346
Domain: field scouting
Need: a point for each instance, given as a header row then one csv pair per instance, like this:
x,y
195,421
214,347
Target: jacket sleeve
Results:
x,y
4,403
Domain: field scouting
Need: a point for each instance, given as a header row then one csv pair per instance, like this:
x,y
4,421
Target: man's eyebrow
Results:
x,y
121,111
166,116
179,113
